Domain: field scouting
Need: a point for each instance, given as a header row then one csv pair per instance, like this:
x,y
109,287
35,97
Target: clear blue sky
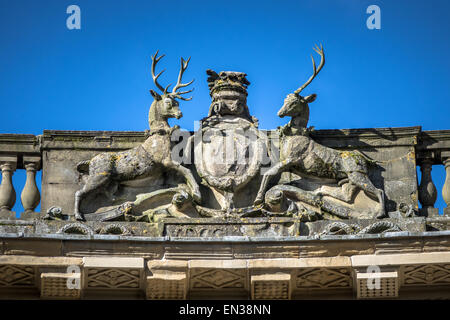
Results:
x,y
98,78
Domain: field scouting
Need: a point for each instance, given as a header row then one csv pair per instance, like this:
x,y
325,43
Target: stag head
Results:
x,y
166,105
295,105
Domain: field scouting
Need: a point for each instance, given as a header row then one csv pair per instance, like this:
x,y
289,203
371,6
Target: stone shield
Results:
x,y
229,153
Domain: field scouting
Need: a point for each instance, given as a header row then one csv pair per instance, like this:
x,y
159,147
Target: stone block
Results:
x,y
168,280
271,286
382,285
169,286
60,285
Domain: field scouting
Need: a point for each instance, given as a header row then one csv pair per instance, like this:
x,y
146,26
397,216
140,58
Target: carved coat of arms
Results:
x,y
229,152
228,148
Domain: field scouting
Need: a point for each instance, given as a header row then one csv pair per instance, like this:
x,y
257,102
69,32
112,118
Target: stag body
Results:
x,y
301,154
107,170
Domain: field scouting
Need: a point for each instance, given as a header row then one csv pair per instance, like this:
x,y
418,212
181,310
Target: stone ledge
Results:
x,y
28,144
113,262
340,138
400,259
390,235
339,261
39,261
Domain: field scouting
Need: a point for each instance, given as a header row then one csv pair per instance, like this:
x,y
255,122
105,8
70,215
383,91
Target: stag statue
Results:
x,y
301,154
106,170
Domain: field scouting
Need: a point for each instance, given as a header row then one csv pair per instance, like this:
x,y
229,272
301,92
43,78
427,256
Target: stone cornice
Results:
x,y
120,140
19,143
368,137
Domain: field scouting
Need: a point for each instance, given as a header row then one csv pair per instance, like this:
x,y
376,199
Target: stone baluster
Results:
x,y
446,187
427,190
8,165
30,196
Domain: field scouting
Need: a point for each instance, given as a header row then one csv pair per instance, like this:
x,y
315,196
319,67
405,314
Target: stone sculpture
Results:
x,y
300,153
229,153
106,170
227,211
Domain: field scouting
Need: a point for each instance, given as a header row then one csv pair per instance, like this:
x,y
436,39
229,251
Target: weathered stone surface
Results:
x,y
228,211
42,247
231,227
271,286
364,226
373,170
438,223
388,285
54,286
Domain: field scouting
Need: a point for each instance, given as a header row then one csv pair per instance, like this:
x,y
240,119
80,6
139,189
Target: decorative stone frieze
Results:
x,y
17,276
113,272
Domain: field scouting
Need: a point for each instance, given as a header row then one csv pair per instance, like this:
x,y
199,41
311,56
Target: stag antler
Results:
x,y
155,60
184,65
316,71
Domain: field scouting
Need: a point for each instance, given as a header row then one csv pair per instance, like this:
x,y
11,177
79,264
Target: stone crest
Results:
x,y
228,149
230,169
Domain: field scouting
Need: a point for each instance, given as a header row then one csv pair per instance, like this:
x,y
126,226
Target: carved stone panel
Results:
x,y
426,274
232,227
113,278
324,278
218,279
17,276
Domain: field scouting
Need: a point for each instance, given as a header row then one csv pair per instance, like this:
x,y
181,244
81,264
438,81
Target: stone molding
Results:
x,y
256,278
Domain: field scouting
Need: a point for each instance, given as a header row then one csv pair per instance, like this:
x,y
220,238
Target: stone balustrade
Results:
x,y
433,148
19,151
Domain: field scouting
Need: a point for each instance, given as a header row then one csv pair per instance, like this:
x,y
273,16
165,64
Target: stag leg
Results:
x,y
362,181
345,193
192,184
279,167
93,183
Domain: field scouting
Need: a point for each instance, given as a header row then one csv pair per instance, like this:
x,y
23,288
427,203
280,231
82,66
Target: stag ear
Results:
x,y
310,98
155,95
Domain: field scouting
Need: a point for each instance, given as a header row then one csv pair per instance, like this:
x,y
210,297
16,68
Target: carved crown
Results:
x,y
231,81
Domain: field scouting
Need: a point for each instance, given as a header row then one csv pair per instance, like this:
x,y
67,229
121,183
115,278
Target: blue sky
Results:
x,y
98,78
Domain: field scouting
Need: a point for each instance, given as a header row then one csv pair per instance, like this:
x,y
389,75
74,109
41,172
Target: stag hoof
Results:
x,y
79,217
258,201
381,214
197,196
